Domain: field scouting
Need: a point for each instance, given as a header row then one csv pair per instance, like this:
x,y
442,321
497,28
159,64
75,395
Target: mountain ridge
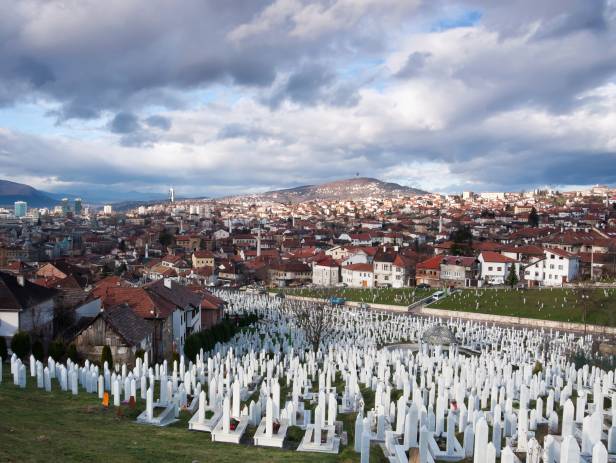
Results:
x,y
356,187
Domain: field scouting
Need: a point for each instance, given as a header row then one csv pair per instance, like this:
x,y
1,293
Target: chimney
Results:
x,y
21,280
167,282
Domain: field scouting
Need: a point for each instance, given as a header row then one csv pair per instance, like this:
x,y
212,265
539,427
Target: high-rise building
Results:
x,y
171,195
65,206
107,209
21,208
78,206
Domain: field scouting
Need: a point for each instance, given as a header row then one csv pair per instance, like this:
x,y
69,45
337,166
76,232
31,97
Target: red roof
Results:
x,y
433,263
359,267
491,256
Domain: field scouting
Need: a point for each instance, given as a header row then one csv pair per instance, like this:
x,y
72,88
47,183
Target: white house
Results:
x,y
358,276
495,267
325,272
553,269
25,307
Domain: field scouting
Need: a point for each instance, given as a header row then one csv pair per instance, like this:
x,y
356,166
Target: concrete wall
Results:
x,y
534,322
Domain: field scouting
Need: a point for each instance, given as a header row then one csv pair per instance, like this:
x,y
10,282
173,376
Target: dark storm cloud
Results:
x,y
124,123
314,84
160,122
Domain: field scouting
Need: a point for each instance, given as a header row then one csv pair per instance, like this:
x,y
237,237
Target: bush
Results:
x,y
140,354
3,350
192,346
20,344
38,350
72,353
57,349
538,368
107,357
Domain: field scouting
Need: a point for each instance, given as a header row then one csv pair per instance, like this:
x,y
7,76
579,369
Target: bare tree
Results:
x,y
315,320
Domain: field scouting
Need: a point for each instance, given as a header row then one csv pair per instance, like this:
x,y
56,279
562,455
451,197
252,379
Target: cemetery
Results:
x,y
380,387
595,306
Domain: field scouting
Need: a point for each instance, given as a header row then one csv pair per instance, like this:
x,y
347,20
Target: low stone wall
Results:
x,y
533,322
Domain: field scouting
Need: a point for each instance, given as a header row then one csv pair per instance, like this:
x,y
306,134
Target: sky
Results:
x,y
223,97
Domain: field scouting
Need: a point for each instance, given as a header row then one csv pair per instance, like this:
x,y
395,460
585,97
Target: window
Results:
x,y
499,269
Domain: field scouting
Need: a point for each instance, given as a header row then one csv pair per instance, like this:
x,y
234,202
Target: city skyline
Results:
x,y
255,96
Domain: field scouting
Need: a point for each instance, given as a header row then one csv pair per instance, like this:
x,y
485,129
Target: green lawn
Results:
x,y
390,296
40,426
558,304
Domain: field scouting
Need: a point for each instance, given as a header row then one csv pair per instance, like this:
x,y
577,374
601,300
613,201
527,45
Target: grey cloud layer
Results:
x,y
519,99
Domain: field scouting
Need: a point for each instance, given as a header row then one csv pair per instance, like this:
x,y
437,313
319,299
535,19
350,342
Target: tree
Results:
x,y
3,351
72,353
315,320
57,349
533,218
462,241
192,344
165,239
38,350
107,357
512,277
20,344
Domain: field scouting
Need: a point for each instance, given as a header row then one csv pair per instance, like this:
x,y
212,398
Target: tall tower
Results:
x,y
259,241
78,206
171,195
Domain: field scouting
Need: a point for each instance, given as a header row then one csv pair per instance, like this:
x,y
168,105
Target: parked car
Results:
x,y
334,300
423,286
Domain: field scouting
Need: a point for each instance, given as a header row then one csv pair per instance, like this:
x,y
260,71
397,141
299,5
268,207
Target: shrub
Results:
x,y
20,344
107,357
140,354
3,350
38,350
538,368
72,353
57,349
192,346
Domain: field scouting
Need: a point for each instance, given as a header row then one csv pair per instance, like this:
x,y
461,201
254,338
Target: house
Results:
x,y
188,242
290,272
358,276
553,269
25,306
212,308
202,259
459,271
428,272
325,272
172,310
495,267
391,269
119,328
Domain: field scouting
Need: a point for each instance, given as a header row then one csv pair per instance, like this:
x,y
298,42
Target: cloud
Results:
x,y
124,123
218,97
159,122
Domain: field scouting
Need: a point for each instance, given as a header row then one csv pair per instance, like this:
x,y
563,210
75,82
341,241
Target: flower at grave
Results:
x,y
276,426
233,424
453,406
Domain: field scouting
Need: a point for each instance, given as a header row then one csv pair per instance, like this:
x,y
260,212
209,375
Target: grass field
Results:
x,y
39,426
558,304
390,296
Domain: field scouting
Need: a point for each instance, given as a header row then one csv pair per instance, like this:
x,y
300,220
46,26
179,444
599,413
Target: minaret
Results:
x,y
147,251
229,225
440,224
259,241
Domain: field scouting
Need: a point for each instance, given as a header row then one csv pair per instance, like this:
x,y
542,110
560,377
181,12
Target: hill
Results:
x,y
12,191
359,187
